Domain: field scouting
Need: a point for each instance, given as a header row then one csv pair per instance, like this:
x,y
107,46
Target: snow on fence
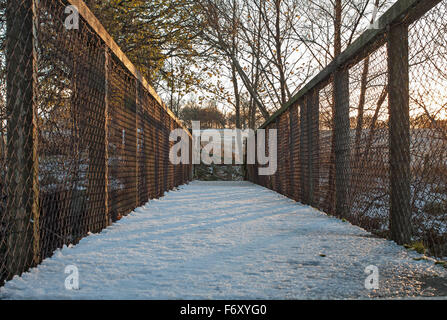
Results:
x,y
366,139
84,138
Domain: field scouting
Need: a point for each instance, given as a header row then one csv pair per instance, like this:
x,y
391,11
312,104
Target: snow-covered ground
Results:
x,y
229,240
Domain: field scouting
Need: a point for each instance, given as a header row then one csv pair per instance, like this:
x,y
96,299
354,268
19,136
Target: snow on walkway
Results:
x,y
228,240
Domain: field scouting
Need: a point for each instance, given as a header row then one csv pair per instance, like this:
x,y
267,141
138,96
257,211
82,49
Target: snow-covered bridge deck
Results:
x,y
224,240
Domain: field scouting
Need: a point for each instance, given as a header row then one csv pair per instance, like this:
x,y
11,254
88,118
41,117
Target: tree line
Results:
x,y
249,56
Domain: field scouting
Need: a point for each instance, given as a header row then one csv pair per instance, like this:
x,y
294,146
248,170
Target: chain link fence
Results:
x,y
366,140
83,139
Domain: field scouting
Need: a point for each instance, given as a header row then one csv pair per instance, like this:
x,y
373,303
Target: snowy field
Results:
x,y
230,240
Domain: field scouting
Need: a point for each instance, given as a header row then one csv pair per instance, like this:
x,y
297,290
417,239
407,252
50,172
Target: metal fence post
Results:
x,y
342,141
192,165
107,218
399,139
21,185
295,144
137,165
292,126
304,151
93,136
313,114
278,177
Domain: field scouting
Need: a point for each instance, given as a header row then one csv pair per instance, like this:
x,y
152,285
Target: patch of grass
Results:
x,y
417,246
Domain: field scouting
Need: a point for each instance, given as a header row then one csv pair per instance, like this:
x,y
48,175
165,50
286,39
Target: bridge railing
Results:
x,y
366,139
83,138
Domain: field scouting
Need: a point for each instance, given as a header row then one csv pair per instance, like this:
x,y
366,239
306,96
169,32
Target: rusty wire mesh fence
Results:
x,y
366,140
83,139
